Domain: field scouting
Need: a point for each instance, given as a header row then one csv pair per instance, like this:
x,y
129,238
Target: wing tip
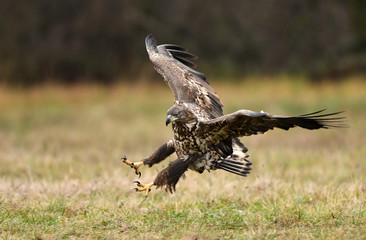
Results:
x,y
150,43
179,53
327,120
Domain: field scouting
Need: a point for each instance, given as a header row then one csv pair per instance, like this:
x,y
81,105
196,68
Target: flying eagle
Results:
x,y
204,138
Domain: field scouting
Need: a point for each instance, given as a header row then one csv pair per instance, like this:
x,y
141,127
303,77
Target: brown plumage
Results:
x,y
204,138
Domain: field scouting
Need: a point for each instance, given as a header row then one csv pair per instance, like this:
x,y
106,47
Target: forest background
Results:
x,y
103,41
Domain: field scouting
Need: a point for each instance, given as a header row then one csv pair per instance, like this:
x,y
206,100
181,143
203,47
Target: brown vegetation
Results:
x,y
62,177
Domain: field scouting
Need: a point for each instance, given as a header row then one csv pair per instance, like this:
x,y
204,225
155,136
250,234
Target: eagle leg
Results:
x,y
160,154
135,165
144,187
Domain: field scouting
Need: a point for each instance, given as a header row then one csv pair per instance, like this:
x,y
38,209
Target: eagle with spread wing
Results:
x,y
204,138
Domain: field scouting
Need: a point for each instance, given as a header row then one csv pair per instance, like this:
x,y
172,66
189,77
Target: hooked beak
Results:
x,y
169,119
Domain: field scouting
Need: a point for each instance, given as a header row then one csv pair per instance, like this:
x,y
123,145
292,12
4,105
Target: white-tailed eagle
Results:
x,y
204,138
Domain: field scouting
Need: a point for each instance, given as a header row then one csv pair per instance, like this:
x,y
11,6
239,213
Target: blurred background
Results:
x,y
78,92
69,41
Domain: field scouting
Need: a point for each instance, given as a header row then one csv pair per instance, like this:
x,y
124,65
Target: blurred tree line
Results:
x,y
95,40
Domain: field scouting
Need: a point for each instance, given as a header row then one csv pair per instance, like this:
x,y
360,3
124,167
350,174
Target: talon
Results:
x,y
144,187
135,165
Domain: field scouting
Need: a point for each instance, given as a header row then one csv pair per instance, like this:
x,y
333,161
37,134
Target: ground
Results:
x,y
61,175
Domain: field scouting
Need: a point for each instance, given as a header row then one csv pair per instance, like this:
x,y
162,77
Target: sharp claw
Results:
x,y
133,165
143,187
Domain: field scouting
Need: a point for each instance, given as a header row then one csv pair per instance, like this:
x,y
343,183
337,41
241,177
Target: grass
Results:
x,y
61,174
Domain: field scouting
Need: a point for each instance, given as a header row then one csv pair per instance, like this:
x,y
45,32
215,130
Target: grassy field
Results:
x,y
61,175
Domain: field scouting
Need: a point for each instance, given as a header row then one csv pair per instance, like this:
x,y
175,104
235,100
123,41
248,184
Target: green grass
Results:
x,y
61,175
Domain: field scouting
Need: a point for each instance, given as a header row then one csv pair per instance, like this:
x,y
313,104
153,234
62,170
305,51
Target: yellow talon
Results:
x,y
144,187
135,165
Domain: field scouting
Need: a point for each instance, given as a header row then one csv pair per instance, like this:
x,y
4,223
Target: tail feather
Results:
x,y
235,171
246,162
237,162
242,171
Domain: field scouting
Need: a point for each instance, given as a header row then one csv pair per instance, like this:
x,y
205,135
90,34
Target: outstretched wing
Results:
x,y
189,86
245,123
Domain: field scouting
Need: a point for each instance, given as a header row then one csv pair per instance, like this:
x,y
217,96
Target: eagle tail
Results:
x,y
237,162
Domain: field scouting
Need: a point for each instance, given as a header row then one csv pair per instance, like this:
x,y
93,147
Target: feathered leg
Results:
x,y
160,154
157,156
170,176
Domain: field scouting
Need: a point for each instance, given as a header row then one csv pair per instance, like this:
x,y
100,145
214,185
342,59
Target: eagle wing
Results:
x,y
246,122
189,86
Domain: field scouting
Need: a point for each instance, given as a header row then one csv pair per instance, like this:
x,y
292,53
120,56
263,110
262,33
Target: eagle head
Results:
x,y
179,113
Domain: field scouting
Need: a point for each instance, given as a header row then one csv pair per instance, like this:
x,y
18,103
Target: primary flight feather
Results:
x,y
204,138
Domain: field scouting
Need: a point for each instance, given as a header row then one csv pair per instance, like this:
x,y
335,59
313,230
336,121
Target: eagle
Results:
x,y
204,138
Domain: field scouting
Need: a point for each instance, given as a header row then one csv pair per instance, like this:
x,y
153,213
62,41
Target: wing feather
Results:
x,y
245,123
182,53
174,47
185,61
189,86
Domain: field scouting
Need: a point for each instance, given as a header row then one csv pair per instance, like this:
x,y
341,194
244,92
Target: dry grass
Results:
x,y
61,174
